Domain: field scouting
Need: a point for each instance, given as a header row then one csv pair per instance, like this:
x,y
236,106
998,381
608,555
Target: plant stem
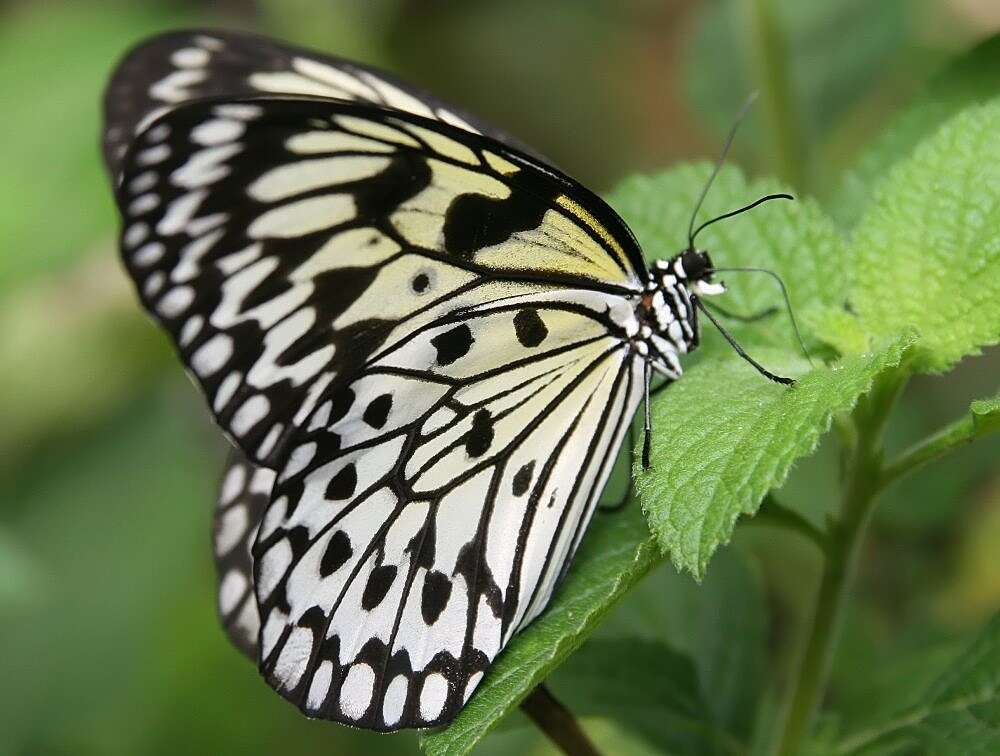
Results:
x,y
845,540
838,574
770,58
963,431
772,512
558,723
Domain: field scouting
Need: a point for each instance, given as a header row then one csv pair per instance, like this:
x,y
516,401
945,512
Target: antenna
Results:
x,y
718,165
731,213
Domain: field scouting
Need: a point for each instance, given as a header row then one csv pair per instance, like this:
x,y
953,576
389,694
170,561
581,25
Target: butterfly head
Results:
x,y
673,282
667,310
694,267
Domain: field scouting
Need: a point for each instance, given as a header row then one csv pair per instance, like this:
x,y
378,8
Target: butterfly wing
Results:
x,y
434,503
180,66
243,498
426,334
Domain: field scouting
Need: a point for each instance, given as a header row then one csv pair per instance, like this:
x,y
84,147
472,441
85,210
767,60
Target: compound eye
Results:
x,y
696,264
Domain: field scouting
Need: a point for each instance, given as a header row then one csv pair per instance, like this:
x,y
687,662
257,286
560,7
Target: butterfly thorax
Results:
x,y
666,310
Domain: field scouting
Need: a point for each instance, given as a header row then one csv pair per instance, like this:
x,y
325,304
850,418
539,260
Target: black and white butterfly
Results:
x,y
425,344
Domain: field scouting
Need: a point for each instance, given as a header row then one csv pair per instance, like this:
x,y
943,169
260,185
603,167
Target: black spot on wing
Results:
x,y
343,484
377,411
423,546
342,402
530,329
338,551
420,283
474,221
379,582
298,539
480,437
522,479
453,344
436,592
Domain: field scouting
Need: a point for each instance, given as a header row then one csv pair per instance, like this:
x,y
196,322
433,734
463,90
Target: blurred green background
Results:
x,y
108,464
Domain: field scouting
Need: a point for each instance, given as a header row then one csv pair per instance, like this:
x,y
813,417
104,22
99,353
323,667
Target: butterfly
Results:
x,y
425,343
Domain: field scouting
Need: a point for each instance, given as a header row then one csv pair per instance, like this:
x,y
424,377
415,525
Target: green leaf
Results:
x,y
969,79
728,641
794,239
720,624
927,252
836,327
646,687
958,714
615,554
724,436
895,678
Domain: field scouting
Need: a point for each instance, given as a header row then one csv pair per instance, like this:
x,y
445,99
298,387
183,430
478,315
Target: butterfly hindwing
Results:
x,y
244,494
432,506
181,66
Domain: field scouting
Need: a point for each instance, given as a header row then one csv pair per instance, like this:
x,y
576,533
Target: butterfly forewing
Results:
x,y
281,257
181,66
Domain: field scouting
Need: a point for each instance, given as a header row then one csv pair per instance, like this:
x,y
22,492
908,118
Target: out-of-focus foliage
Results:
x,y
839,49
972,78
713,638
108,465
52,64
959,713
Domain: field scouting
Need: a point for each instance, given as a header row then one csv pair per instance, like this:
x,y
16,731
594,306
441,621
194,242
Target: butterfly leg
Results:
x,y
741,351
647,428
627,496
